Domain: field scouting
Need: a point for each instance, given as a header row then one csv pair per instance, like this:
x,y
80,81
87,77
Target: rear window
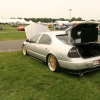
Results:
x,y
63,38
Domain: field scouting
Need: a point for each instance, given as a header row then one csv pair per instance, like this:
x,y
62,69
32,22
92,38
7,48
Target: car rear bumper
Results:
x,y
78,66
80,71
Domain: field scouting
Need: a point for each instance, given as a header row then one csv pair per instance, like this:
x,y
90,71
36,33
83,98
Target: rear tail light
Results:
x,y
73,53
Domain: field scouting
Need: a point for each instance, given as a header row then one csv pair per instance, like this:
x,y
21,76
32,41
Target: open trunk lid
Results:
x,y
84,37
85,32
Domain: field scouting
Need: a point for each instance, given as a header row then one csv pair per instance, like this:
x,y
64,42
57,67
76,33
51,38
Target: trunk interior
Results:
x,y
88,50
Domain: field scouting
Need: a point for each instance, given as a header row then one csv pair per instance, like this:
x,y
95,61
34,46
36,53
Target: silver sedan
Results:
x,y
76,49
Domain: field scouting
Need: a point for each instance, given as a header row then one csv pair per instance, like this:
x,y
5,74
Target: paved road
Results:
x,y
12,45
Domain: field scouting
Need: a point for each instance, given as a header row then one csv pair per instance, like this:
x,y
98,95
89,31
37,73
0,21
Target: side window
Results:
x,y
35,38
45,39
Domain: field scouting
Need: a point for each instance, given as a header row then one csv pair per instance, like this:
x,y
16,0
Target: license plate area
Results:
x,y
96,63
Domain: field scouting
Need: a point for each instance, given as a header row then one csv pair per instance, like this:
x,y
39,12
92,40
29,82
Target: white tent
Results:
x,y
22,21
33,29
62,22
39,22
30,22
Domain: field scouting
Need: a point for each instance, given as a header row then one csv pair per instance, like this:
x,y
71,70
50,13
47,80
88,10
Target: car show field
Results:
x,y
23,78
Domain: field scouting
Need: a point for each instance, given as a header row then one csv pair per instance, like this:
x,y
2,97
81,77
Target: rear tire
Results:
x,y
53,63
24,50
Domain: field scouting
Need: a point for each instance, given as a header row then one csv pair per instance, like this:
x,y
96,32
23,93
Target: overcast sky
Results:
x,y
86,9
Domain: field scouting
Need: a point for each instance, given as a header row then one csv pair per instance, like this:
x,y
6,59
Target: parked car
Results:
x,y
21,28
48,25
1,28
57,27
77,49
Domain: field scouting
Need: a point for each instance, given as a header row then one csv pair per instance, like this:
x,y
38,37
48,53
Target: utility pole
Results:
x,y
70,14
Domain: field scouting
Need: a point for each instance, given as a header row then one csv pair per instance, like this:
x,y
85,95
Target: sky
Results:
x,y
86,9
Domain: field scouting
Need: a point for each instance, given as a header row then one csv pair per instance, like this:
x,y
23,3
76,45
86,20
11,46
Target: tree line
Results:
x,y
49,20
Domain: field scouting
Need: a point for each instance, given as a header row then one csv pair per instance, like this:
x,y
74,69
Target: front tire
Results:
x,y
53,63
24,50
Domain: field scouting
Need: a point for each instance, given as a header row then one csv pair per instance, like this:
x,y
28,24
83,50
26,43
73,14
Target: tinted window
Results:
x,y
35,38
45,39
63,38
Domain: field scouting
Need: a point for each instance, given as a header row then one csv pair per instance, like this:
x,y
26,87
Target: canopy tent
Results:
x,y
39,22
30,22
22,21
62,22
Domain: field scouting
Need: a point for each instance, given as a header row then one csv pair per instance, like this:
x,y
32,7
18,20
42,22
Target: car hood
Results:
x,y
86,32
34,29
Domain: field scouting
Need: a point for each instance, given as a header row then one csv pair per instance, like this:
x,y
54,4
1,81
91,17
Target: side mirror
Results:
x,y
27,40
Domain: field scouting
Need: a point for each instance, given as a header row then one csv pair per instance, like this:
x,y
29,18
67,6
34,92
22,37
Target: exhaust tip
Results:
x,y
80,74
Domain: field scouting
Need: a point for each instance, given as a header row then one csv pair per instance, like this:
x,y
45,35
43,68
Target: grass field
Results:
x,y
23,78
11,33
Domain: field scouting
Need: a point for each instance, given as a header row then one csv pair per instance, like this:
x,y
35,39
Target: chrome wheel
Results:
x,y
24,50
52,63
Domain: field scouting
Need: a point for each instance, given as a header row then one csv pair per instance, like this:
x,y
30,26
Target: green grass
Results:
x,y
12,36
11,33
23,78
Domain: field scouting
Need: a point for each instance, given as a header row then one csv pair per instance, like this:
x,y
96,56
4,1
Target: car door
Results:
x,y
31,45
43,47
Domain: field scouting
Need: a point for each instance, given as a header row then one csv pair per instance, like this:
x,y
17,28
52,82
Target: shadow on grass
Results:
x,y
66,73
77,75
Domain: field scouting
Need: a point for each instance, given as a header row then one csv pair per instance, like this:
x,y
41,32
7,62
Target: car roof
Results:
x,y
54,32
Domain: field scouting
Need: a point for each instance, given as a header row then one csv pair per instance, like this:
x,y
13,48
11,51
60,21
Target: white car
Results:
x,y
76,49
